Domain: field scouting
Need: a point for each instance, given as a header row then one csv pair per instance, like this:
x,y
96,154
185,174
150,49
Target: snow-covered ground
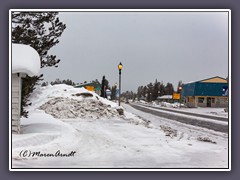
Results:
x,y
212,111
73,128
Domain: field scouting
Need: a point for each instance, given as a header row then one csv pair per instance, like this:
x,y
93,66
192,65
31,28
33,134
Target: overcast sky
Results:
x,y
167,46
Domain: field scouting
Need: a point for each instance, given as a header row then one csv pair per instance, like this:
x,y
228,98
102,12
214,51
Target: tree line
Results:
x,y
58,81
151,91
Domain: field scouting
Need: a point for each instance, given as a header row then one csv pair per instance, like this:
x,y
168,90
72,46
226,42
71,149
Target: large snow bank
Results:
x,y
25,59
64,102
62,108
42,95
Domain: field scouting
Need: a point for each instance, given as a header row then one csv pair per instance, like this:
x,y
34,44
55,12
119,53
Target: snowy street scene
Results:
x,y
67,119
124,90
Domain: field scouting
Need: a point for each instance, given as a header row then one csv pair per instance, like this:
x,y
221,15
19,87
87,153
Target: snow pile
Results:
x,y
63,101
42,95
66,102
137,120
171,105
42,132
206,139
63,108
166,104
169,131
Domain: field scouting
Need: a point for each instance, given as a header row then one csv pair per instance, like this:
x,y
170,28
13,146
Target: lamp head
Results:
x,y
120,66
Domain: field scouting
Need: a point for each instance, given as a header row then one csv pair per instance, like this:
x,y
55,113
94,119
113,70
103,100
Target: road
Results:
x,y
208,122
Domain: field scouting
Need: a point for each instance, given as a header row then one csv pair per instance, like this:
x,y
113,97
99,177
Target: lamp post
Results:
x,y
114,91
158,97
180,91
120,70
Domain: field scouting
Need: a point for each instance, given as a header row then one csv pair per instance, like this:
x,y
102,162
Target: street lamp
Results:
x,y
120,70
180,91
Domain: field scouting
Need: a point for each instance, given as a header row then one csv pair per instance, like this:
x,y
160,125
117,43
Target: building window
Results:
x,y
213,100
200,100
223,100
190,99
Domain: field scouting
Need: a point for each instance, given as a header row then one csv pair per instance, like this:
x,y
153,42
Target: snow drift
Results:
x,y
67,102
63,108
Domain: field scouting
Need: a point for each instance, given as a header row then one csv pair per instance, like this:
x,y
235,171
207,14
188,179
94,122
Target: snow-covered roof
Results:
x,y
165,97
25,59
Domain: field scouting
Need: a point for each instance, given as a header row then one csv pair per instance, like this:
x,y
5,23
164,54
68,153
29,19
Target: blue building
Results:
x,y
212,92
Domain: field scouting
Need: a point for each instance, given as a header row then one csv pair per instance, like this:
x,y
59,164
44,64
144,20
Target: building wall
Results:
x,y
209,89
202,101
16,102
219,102
206,93
191,101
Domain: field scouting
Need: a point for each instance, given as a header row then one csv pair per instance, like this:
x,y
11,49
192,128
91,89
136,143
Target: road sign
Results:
x,y
90,88
108,92
117,92
176,96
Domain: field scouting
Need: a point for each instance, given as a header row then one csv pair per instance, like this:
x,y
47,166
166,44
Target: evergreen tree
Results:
x,y
26,90
139,92
107,84
69,82
64,82
41,31
44,84
126,94
162,90
131,95
58,81
156,89
104,87
149,92
169,89
134,96
144,91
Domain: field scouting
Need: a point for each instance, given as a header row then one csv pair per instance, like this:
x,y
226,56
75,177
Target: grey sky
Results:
x,y
167,46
